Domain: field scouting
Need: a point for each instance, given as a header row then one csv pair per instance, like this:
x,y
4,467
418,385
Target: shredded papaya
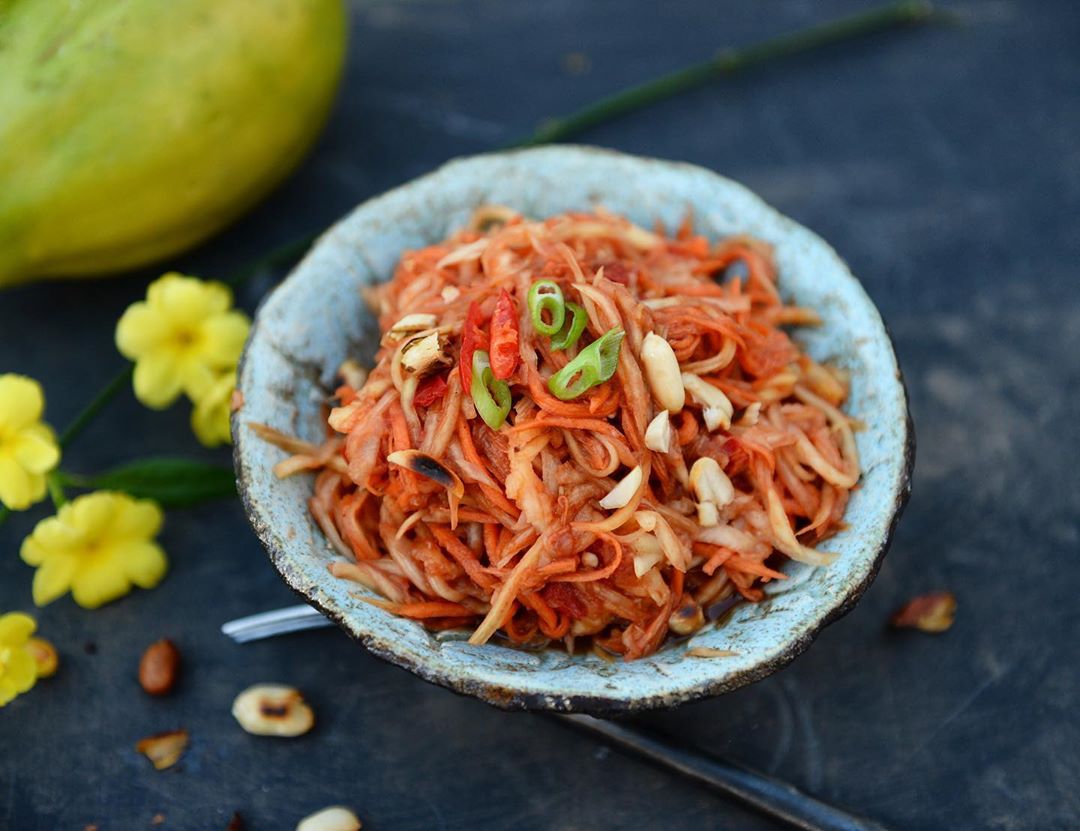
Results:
x,y
565,519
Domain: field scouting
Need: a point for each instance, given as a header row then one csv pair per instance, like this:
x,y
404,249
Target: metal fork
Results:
x,y
758,790
277,622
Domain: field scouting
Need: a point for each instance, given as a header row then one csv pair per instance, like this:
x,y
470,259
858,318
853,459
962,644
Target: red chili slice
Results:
x,y
431,389
505,353
617,273
472,338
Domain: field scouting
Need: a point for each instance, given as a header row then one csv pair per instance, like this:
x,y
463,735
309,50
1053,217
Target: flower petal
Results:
x,y
142,329
187,300
198,377
49,536
143,563
99,583
93,515
20,670
19,489
210,418
16,628
53,578
35,449
7,691
136,519
157,379
223,339
211,425
21,401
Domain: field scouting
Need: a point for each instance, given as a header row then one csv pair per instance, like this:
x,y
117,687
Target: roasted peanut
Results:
x,y
932,613
620,495
159,667
330,819
686,619
662,370
658,433
717,410
408,325
164,749
713,488
273,710
424,353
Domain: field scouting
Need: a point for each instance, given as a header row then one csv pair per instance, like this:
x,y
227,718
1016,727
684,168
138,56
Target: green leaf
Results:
x,y
169,481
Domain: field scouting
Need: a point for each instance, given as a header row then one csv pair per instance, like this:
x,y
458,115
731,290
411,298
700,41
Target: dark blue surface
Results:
x,y
943,164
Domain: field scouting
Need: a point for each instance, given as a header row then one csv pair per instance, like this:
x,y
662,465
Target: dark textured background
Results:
x,y
943,164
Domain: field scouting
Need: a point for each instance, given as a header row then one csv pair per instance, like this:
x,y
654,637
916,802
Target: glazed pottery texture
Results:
x,y
316,318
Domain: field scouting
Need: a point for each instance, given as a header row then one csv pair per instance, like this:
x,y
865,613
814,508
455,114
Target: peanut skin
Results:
x,y
159,667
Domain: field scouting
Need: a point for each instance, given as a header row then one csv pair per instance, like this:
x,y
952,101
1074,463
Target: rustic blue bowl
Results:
x,y
316,318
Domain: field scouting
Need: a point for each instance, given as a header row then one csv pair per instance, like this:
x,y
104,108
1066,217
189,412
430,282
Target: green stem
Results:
x,y
90,411
73,480
731,62
290,251
56,489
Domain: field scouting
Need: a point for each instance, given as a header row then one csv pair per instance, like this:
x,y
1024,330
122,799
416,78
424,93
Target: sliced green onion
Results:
x,y
490,395
594,364
572,327
546,296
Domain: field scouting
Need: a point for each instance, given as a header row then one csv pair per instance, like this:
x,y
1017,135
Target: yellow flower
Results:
x,y
181,338
27,446
18,672
210,418
96,546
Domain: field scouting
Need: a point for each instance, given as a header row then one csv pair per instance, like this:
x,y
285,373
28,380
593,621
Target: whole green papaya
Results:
x,y
132,129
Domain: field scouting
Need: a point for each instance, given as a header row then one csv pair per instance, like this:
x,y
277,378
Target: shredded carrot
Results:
x,y
599,573
544,422
503,528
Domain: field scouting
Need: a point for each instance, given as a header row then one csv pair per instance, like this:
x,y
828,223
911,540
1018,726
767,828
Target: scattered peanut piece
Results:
x,y
933,613
164,749
236,823
711,652
330,819
273,710
686,619
157,819
658,433
45,657
662,371
159,667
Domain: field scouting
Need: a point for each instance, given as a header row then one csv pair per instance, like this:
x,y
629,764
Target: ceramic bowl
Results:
x,y
316,318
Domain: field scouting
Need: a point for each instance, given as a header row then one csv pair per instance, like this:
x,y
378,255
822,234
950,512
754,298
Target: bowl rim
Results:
x,y
508,698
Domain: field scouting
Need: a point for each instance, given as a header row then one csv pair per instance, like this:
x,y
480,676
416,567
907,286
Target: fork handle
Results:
x,y
770,796
275,622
